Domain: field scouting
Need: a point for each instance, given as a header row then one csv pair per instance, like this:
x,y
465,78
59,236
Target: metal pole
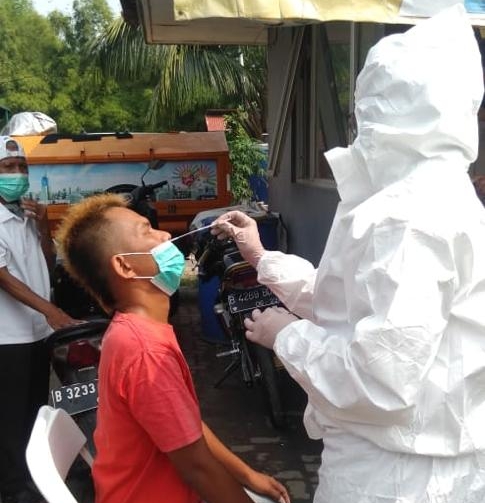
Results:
x,y
352,77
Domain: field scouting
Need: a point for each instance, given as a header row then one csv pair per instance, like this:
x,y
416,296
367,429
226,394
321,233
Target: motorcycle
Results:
x,y
75,351
140,197
238,294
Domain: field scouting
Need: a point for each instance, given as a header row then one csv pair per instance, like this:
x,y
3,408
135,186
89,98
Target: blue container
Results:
x,y
207,294
268,231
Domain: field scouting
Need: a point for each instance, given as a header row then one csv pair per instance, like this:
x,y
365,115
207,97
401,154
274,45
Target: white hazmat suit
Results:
x,y
391,345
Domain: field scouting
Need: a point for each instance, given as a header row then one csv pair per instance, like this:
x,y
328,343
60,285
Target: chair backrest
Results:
x,y
54,444
257,498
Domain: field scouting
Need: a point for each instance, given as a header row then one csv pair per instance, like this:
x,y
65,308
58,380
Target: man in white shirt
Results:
x,y
27,317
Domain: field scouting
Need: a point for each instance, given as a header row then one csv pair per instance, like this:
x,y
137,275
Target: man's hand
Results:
x,y
34,209
244,231
263,484
265,326
57,318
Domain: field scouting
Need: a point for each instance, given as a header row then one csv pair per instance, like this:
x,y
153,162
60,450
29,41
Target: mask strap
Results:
x,y
134,253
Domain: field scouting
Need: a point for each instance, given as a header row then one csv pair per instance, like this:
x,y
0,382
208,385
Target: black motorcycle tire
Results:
x,y
79,479
270,386
87,423
247,366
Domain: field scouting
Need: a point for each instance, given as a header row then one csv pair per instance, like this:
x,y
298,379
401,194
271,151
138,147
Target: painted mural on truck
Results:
x,y
69,183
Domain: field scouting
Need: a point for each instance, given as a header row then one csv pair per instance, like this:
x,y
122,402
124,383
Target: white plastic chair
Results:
x,y
54,444
257,498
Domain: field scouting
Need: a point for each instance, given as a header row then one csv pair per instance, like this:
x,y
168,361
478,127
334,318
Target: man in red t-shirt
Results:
x,y
152,446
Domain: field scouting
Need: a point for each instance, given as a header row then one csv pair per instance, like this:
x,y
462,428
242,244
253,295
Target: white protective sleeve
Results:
x,y
291,279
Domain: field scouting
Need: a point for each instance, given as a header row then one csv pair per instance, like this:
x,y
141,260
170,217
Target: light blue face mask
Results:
x,y
171,264
13,186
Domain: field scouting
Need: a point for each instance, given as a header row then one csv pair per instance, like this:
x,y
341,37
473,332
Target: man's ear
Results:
x,y
121,267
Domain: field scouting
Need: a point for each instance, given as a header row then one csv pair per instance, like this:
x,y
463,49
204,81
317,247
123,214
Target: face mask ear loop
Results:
x,y
134,253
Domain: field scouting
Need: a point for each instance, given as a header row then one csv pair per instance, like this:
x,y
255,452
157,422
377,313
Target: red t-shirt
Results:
x,y
147,407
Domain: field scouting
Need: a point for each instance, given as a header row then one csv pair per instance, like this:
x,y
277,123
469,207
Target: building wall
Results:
x,y
307,213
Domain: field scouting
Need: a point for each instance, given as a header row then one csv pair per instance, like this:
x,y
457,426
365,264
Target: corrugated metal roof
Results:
x,y
215,123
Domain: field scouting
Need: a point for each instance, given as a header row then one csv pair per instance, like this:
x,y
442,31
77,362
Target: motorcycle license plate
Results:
x,y
248,299
76,398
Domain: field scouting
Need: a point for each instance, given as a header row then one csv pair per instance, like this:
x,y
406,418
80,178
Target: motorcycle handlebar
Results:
x,y
210,249
203,257
157,185
142,191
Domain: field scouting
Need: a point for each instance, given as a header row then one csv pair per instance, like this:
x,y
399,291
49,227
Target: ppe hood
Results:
x,y
416,104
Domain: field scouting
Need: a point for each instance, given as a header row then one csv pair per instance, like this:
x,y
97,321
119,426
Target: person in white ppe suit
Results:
x,y
387,336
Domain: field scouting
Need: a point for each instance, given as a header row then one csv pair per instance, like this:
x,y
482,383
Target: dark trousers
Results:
x,y
24,387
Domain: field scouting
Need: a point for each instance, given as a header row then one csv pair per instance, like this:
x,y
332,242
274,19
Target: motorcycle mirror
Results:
x,y
156,164
153,165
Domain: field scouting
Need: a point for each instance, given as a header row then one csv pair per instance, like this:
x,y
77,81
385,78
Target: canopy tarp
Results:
x,y
287,11
245,22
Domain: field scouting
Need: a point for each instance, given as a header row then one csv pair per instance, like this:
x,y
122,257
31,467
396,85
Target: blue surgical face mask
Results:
x,y
13,186
171,264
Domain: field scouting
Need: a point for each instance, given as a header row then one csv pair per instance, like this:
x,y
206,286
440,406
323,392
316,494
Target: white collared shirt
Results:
x,y
21,254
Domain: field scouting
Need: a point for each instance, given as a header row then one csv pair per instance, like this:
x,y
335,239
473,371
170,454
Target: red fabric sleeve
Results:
x,y
161,398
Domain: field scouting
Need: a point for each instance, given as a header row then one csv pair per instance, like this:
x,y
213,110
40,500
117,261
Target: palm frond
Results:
x,y
182,76
122,53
